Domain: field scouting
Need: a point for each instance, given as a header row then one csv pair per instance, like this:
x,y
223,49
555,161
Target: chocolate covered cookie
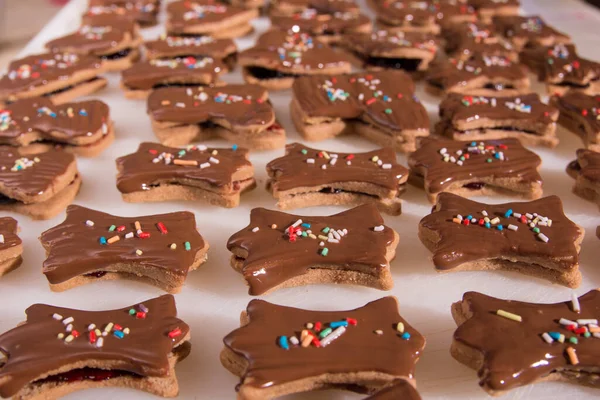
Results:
x,y
580,114
525,117
467,39
39,185
159,173
488,9
143,12
58,351
586,172
59,76
210,18
280,350
409,51
480,75
530,31
421,16
35,124
562,69
117,45
279,57
145,76
380,106
399,390
11,246
328,28
279,250
513,344
156,249
534,238
241,114
470,168
307,177
224,50
290,7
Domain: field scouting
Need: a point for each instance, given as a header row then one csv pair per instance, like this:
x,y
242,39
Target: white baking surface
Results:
x,y
215,294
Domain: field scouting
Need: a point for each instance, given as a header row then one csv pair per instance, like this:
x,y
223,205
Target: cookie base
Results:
x,y
170,192
46,209
78,90
120,64
10,265
526,138
158,277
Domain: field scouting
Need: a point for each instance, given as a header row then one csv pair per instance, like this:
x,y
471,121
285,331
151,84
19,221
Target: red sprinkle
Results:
x,y
318,326
152,151
523,219
352,321
121,228
369,77
584,112
247,101
140,315
75,333
481,221
503,146
576,64
162,228
144,235
118,327
466,222
571,328
581,331
92,337
371,101
316,342
174,333
334,80
350,157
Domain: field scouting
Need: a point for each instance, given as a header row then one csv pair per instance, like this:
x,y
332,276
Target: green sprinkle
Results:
x,y
181,153
325,332
131,311
573,340
112,228
188,246
304,234
375,94
304,151
388,110
536,230
489,160
587,334
550,61
325,251
325,230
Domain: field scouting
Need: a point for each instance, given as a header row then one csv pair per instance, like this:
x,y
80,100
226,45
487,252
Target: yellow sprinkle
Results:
x,y
98,332
274,226
508,315
113,239
173,246
109,327
375,158
306,341
400,327
572,356
126,331
312,236
69,338
139,252
214,152
323,237
138,227
325,155
61,335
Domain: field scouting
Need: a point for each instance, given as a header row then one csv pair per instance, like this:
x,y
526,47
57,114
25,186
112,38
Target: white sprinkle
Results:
x,y
129,235
202,147
297,223
460,217
180,105
348,162
596,335
588,321
213,160
69,328
547,337
294,340
333,161
567,322
341,232
310,160
443,150
379,162
529,216
379,228
575,303
484,213
333,241
321,244
543,237
386,166
89,223
324,166
336,235
345,231
67,321
100,342
188,91
57,317
91,327
333,335
513,227
204,165
255,229
495,221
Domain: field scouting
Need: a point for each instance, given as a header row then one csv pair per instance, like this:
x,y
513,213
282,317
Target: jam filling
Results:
x,y
174,84
406,64
117,55
87,374
498,128
474,185
265,73
499,86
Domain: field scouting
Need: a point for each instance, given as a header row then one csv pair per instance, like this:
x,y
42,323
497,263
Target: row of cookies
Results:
x,y
281,350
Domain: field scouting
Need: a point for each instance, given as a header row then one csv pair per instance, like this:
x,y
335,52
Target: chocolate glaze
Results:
x,y
146,75
280,50
144,12
137,171
292,171
460,243
73,248
9,228
323,6
248,106
458,108
176,46
315,23
186,14
422,13
387,44
531,30
61,123
520,164
33,349
313,93
464,40
487,4
400,390
514,354
94,39
273,259
586,166
560,64
35,179
39,69
358,350
579,110
455,73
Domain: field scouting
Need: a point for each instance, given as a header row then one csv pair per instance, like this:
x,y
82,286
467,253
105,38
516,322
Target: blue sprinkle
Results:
x,y
119,334
500,227
469,217
53,114
283,342
305,225
406,336
554,335
337,324
102,240
473,143
497,155
488,225
234,147
508,213
83,112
